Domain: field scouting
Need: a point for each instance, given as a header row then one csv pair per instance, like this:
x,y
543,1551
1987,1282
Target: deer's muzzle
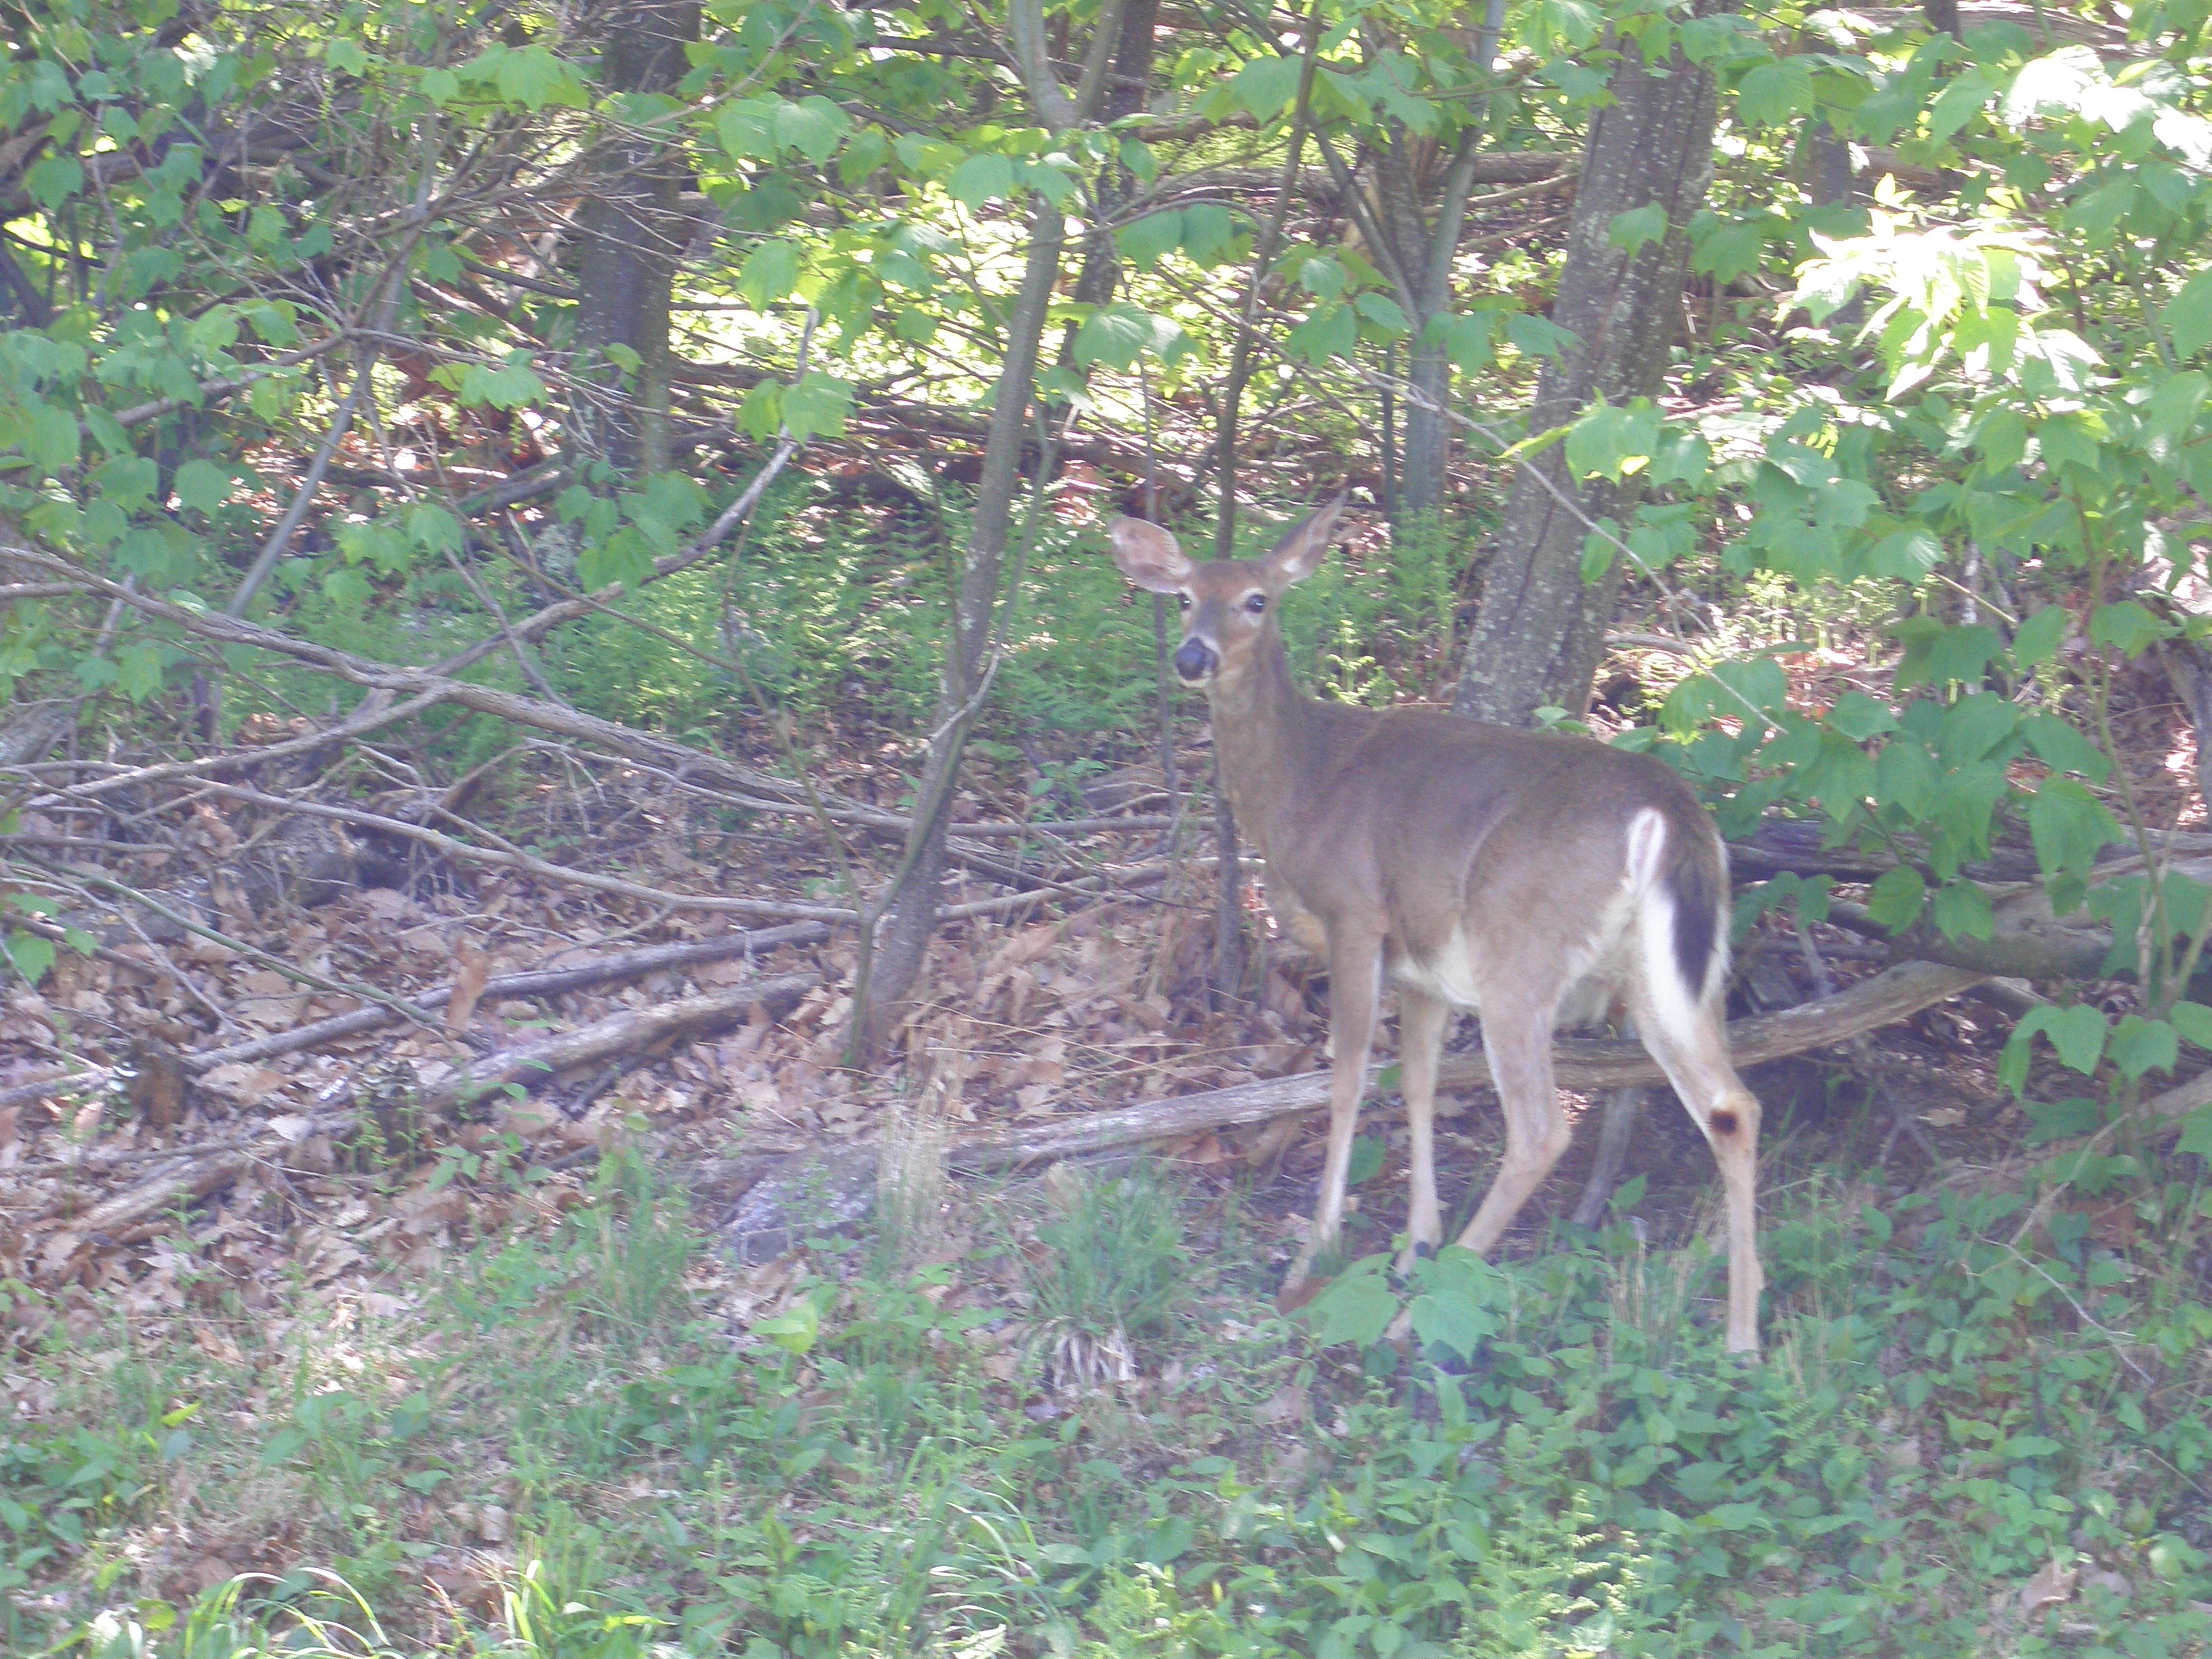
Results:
x,y
1196,661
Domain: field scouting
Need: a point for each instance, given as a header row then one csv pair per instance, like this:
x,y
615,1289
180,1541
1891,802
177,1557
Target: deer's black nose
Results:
x,y
1195,661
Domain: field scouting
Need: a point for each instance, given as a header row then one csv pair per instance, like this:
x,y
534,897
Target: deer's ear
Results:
x,y
1300,552
1148,556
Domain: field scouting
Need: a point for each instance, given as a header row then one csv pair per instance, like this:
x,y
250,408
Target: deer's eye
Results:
x,y
1256,603
1183,601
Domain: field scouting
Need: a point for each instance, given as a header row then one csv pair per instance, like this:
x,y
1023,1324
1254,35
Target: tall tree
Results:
x,y
909,910
635,231
1648,161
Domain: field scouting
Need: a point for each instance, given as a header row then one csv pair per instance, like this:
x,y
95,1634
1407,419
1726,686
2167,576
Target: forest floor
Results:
x,y
508,1383
299,1355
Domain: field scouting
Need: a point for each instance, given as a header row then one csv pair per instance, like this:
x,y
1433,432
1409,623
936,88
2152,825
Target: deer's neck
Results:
x,y
1266,741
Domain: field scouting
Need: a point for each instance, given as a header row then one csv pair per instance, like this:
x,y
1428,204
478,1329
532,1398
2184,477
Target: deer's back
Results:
x,y
1457,837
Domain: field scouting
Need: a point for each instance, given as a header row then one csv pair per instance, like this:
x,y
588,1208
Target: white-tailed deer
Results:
x,y
1541,880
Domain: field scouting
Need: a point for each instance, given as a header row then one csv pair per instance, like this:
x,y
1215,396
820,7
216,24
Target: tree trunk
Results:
x,y
911,918
1127,88
1540,629
881,1001
1428,429
634,235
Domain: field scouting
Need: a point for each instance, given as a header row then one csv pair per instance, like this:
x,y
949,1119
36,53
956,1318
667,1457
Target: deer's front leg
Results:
x,y
1355,967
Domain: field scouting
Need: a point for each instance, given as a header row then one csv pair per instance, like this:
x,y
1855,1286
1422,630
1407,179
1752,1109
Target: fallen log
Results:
x,y
556,981
817,1192
1580,1064
634,1030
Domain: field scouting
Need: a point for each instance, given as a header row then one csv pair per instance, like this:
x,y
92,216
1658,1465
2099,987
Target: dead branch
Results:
x,y
1581,1065
817,1190
468,853
631,1031
398,1006
544,982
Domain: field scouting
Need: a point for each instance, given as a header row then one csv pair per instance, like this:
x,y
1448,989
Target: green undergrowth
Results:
x,y
595,1438
832,618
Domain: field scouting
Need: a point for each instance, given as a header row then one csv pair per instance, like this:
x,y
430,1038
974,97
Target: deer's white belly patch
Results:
x,y
1597,970
1448,976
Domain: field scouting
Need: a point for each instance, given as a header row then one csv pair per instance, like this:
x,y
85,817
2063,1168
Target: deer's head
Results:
x,y
1228,605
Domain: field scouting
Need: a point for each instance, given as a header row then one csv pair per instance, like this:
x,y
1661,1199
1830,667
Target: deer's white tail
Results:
x,y
1680,880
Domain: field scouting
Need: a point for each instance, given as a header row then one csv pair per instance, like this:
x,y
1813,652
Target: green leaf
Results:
x,y
1460,1301
138,669
1356,1307
771,272
513,385
2066,440
1860,717
54,181
2196,1134
1960,101
2172,412
2077,1033
1265,85
1906,777
1468,338
1208,232
981,178
2127,626
2140,1045
346,57
1631,230
1571,23
1775,94
866,152
1613,441
32,953
1896,898
1962,910
1940,655
817,405
1321,276
1725,249
1114,335
794,1331
2057,741
2039,637
812,126
1154,237
49,436
1905,555
2189,315
1330,331
2194,1021
432,527
440,85
1383,312
533,77
2069,826
1538,337
203,485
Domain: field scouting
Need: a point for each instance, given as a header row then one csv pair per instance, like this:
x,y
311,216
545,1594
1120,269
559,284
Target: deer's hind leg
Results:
x,y
1518,1041
1423,1020
1691,1048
